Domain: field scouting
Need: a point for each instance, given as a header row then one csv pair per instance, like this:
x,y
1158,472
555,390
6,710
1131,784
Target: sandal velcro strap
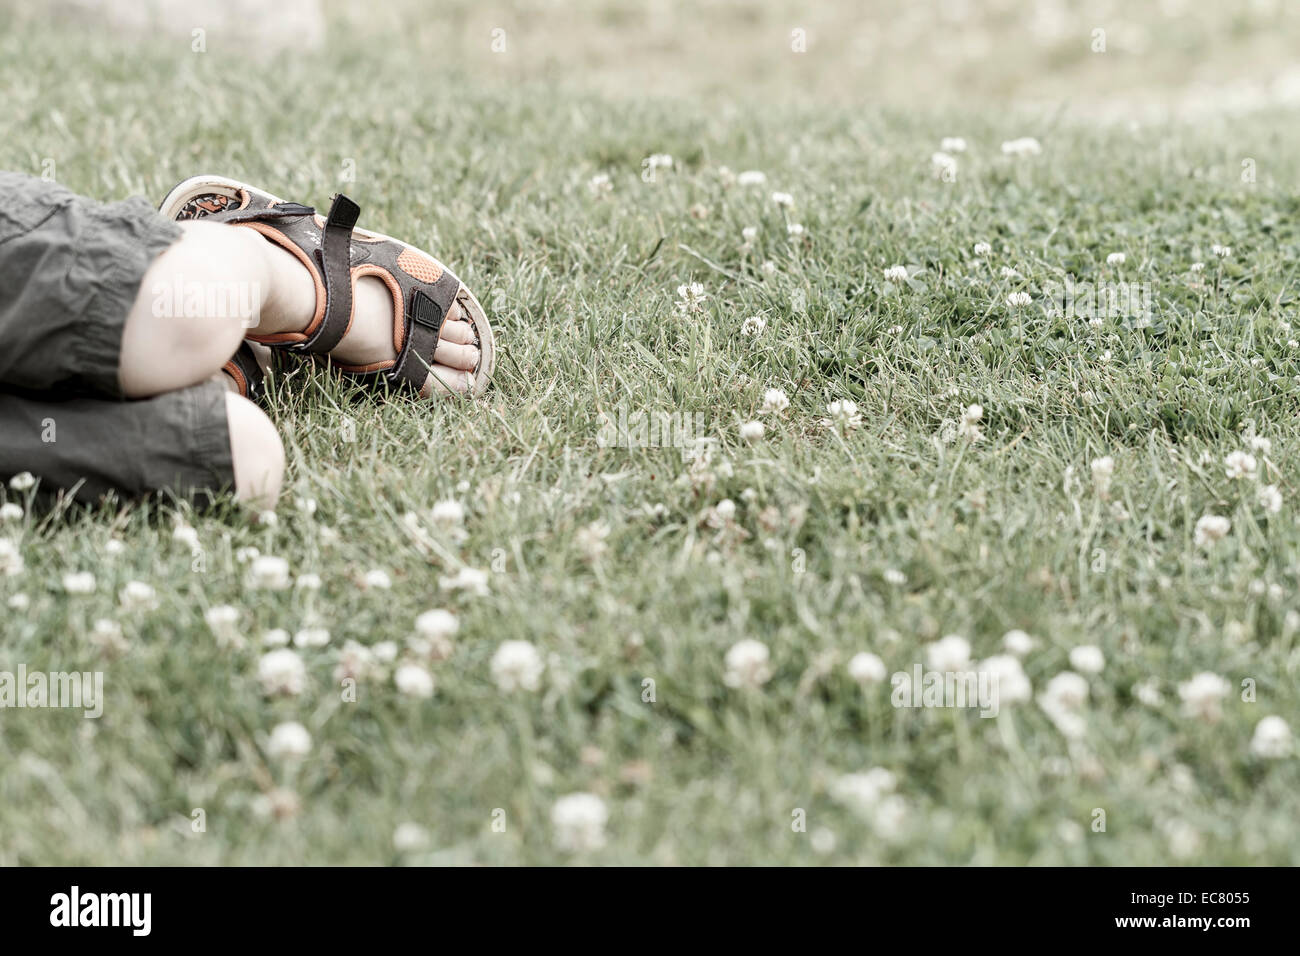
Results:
x,y
334,257
425,312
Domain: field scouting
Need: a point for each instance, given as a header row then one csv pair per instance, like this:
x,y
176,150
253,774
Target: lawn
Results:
x,y
1066,508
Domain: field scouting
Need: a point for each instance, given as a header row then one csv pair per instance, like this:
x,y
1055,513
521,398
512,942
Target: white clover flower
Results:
x,y
794,229
1087,658
768,268
1063,701
186,535
23,481
746,664
449,513
306,506
223,622
413,681
752,431
590,540
1272,739
270,573
308,582
1069,690
1025,146
579,820
1198,267
411,837
79,582
896,274
725,509
953,144
289,741
385,652
244,555
1223,252
11,512
19,602
437,624
11,561
1148,692
843,415
1202,696
1116,259
1269,498
268,519
276,637
753,326
691,298
1019,300
751,177
950,653
944,166
1102,469
378,579
282,672
599,184
1240,464
983,249
861,792
895,577
114,546
106,635
356,662
1009,679
1260,444
749,234
137,595
866,668
774,400
1009,273
517,665
470,580
1018,642
311,637
969,426
783,199
1210,529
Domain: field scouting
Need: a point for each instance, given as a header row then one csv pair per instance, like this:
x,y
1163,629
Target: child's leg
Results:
x,y
98,302
194,304
194,441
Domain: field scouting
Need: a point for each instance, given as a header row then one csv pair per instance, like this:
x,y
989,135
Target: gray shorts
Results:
x,y
70,270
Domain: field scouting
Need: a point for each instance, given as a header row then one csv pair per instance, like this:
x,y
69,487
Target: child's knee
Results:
x,y
256,452
195,304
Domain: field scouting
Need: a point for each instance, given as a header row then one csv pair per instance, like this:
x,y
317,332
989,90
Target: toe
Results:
x,y
457,328
463,357
445,382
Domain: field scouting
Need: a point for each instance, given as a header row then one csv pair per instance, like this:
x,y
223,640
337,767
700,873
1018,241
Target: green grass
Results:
x,y
990,535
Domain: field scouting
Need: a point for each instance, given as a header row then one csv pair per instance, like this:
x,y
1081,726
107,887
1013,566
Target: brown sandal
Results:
x,y
337,254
